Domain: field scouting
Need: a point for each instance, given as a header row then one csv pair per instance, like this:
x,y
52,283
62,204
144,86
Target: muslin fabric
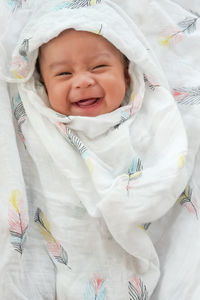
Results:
x,y
98,207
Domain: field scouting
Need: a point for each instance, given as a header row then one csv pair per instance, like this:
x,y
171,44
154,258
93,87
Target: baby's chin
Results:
x,y
93,113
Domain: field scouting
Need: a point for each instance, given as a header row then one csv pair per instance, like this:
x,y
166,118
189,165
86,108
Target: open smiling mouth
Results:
x,y
88,102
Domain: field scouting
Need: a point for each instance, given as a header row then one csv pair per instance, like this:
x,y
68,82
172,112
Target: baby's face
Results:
x,y
84,74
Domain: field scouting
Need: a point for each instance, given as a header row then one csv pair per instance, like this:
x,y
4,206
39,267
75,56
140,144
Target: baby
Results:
x,y
96,136
84,74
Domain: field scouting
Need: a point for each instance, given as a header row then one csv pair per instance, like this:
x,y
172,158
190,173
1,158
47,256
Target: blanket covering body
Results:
x,y
101,207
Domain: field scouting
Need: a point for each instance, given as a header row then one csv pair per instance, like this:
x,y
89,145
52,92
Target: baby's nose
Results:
x,y
83,80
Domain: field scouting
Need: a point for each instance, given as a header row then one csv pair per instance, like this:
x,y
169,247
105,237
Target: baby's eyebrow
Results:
x,y
66,62
57,63
103,54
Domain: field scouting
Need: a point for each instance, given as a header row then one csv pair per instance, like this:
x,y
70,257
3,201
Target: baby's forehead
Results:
x,y
73,39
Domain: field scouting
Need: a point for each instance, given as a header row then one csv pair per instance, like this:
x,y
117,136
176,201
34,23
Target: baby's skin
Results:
x,y
84,74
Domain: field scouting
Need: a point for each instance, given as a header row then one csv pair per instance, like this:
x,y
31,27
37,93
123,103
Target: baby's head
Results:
x,y
84,74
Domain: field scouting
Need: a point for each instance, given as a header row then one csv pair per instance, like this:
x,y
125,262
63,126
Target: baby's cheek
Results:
x,y
120,90
54,95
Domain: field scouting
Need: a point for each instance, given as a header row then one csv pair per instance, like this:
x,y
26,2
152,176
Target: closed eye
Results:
x,y
99,66
64,74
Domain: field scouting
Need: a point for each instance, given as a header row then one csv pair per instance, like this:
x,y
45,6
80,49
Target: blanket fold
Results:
x,y
79,193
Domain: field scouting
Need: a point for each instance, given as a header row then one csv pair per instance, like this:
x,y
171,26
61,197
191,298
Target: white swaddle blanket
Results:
x,y
79,193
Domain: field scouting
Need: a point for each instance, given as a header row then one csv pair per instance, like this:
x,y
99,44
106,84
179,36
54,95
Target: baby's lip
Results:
x,y
86,98
87,102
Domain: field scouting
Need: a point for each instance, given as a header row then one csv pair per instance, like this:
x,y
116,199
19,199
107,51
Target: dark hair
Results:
x,y
37,66
126,60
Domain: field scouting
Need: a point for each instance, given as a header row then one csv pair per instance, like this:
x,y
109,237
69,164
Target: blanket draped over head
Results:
x,y
89,205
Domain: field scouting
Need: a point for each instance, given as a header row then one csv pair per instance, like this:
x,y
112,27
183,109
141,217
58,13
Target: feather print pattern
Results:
x,y
125,114
54,247
171,36
188,25
95,289
74,140
71,138
149,83
20,66
137,289
186,201
175,34
74,4
187,96
19,113
23,50
17,220
146,226
135,169
14,4
98,31
181,160
80,147
134,172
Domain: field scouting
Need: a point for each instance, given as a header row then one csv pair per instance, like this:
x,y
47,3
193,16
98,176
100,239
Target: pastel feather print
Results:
x,y
95,289
187,201
135,169
19,113
17,219
75,141
188,25
54,247
137,289
145,226
94,2
74,4
170,36
14,4
134,172
174,34
20,66
80,147
71,137
20,63
187,96
24,48
126,113
150,83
